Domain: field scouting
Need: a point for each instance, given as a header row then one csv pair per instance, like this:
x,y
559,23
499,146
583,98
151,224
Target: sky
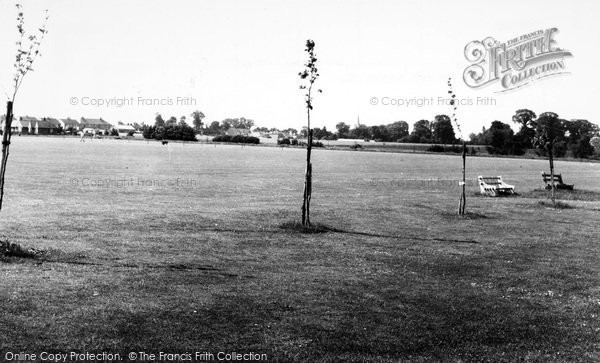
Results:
x,y
127,60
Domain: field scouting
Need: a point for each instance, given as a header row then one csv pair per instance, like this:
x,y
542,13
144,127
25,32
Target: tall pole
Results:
x,y
463,198
551,158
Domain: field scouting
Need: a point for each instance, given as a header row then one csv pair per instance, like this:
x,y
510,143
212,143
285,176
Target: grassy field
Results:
x,y
179,249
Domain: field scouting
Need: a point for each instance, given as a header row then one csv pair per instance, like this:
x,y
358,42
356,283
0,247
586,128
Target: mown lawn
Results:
x,y
195,260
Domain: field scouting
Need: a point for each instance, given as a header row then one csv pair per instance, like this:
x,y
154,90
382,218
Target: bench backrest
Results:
x,y
548,178
492,180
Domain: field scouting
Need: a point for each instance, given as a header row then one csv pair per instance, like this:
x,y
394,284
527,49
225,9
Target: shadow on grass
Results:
x,y
296,227
447,214
577,194
558,205
505,195
338,323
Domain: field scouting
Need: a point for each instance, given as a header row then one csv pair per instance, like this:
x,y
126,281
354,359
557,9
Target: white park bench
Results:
x,y
494,186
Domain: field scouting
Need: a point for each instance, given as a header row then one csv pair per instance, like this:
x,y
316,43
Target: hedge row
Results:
x,y
239,139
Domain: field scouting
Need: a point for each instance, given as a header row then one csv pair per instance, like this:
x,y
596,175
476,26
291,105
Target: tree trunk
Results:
x,y
5,144
551,158
463,198
307,184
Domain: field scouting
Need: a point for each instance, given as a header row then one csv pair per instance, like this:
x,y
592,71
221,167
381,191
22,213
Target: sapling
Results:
x,y
463,198
308,77
28,49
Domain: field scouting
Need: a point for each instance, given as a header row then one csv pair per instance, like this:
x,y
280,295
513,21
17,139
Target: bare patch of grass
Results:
x,y
558,205
294,226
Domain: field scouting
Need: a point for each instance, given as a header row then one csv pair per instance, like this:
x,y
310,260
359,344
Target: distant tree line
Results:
x,y
169,130
573,140
439,130
573,137
219,128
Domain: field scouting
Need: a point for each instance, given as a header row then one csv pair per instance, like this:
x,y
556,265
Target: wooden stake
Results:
x,y
5,146
307,183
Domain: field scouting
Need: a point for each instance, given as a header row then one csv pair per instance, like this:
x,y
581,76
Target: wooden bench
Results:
x,y
494,186
558,182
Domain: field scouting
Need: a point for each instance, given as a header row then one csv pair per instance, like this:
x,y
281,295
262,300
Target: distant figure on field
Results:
x,y
85,134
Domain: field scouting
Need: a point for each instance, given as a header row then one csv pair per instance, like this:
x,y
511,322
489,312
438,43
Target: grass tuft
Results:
x,y
10,249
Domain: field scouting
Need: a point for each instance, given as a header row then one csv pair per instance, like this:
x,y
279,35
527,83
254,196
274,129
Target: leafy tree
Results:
x,y
478,139
321,134
500,138
526,119
171,121
291,131
225,125
158,120
397,130
443,132
421,132
343,130
380,133
214,128
181,131
578,136
197,117
361,132
304,132
308,76
238,123
595,142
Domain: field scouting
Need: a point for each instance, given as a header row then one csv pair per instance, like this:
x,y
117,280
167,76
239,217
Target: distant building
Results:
x,y
35,126
2,121
235,132
124,129
49,126
94,123
69,122
25,125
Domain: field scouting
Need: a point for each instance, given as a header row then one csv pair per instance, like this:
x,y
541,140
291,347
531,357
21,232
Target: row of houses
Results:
x,y
53,126
246,132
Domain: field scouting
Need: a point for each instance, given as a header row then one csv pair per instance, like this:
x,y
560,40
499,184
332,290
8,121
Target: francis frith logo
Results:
x,y
516,62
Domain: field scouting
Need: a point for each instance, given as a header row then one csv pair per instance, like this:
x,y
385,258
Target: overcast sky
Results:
x,y
242,58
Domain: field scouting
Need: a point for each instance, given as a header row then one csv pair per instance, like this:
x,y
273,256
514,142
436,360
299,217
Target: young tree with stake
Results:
x,y
463,198
308,77
549,129
28,49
